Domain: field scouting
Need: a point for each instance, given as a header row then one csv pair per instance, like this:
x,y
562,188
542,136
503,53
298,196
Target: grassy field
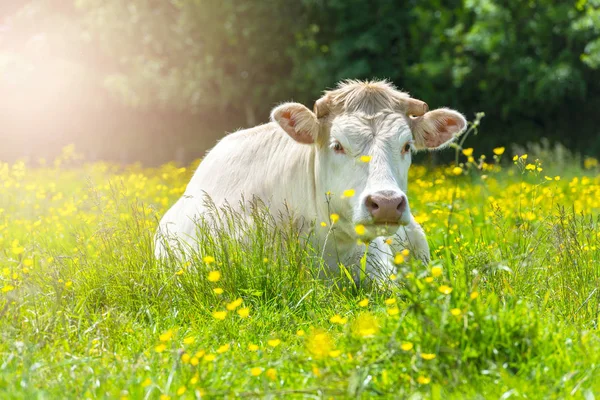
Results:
x,y
509,306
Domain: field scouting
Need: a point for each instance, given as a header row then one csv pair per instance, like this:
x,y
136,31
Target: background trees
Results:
x,y
156,80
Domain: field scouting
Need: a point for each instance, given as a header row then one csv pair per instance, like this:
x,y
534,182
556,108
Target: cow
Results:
x,y
350,157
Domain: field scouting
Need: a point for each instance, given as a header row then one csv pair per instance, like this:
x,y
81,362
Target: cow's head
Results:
x,y
365,133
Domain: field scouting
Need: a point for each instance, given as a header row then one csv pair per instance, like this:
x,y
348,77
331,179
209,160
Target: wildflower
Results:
x,y
524,156
335,353
223,348
407,346
256,371
274,342
147,382
398,258
208,260
300,332
436,272
365,159
194,361
389,241
220,315
468,152
427,356
214,276
429,279
390,301
209,357
334,218
457,170
185,358
68,284
365,325
181,390
557,178
271,373
319,344
189,340
252,347
164,397
7,288
445,289
474,295
363,302
530,167
499,151
323,224
234,304
244,312
337,319
165,337
405,252
349,193
160,348
360,229
393,311
423,380
218,290
455,311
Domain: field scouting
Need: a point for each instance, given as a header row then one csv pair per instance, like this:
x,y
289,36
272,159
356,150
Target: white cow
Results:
x,y
360,137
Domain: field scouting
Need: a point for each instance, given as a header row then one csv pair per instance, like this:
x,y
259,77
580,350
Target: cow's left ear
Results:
x,y
438,128
298,121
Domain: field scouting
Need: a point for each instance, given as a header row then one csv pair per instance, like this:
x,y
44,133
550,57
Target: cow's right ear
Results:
x,y
298,121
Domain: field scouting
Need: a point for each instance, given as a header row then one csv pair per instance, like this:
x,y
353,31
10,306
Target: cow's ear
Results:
x,y
298,121
438,128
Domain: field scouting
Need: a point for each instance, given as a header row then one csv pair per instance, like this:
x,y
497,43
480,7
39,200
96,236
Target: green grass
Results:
x,y
84,303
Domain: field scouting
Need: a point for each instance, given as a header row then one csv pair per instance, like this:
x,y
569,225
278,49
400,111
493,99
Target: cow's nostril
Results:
x,y
401,204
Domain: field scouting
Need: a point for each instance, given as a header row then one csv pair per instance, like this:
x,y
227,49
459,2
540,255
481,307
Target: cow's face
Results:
x,y
362,159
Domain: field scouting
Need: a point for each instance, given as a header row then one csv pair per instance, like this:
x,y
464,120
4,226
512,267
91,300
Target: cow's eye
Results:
x,y
337,147
406,148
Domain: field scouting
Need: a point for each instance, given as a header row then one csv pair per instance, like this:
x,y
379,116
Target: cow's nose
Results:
x,y
386,207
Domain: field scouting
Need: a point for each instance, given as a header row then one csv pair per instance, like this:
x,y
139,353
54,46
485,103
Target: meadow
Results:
x,y
508,307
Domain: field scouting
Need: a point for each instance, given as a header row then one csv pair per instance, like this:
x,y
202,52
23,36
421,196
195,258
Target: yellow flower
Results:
x,y
274,342
393,311
349,193
164,397
220,315
166,336
363,302
194,361
365,159
398,258
218,290
445,289
337,319
390,301
244,312
365,325
214,276
271,373
252,347
360,229
557,178
209,260
474,295
147,382
7,288
530,167
498,151
209,357
223,348
436,271
189,340
300,332
524,156
323,224
407,346
185,358
234,304
319,344
427,356
181,390
256,371
334,218
160,348
405,252
429,279
457,170
389,241
335,353
455,311
423,380
468,152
